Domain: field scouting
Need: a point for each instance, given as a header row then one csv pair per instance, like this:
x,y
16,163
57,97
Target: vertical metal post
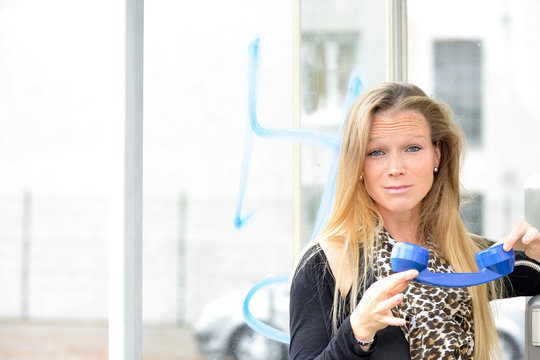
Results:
x,y
532,311
125,245
532,200
297,156
396,40
25,257
182,258
532,329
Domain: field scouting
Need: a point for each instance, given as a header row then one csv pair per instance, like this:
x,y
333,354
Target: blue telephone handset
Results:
x,y
493,263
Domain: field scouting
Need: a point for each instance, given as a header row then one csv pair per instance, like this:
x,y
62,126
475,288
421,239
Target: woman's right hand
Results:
x,y
374,313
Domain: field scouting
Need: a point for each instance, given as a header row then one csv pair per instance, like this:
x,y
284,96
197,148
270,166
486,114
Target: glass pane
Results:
x,y
343,51
481,57
217,197
218,193
61,90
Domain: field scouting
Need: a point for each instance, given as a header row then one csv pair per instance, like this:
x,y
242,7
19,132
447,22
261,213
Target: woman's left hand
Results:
x,y
523,237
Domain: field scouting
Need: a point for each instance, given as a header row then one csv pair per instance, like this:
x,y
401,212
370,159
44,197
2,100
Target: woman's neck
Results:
x,y
403,227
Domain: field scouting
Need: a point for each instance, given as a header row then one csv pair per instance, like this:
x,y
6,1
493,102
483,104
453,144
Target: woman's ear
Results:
x,y
437,153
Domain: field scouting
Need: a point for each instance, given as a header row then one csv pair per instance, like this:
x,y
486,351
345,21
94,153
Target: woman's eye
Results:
x,y
376,153
413,148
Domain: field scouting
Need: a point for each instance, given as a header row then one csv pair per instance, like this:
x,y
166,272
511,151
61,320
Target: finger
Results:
x,y
530,235
390,303
402,276
390,285
393,321
399,281
398,287
411,274
517,233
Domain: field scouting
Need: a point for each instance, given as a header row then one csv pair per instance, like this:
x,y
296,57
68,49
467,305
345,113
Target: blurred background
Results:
x,y
218,209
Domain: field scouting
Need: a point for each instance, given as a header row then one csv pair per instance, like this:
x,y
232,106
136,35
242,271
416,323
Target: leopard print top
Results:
x,y
439,321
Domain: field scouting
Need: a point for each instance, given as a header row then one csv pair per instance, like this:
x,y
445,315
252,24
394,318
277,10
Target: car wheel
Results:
x,y
509,348
247,344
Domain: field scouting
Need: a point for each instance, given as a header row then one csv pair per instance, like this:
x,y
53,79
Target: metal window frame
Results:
x,y
396,40
296,120
125,244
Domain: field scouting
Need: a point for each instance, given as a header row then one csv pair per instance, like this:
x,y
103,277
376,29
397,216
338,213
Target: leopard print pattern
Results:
x,y
439,321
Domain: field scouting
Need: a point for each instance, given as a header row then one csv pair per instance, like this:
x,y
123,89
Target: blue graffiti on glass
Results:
x,y
257,324
299,135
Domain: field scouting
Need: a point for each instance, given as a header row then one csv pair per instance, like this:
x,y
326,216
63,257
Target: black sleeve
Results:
x,y
525,279
312,294
310,322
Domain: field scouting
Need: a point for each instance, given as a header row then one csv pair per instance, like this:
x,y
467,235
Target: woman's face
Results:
x,y
400,162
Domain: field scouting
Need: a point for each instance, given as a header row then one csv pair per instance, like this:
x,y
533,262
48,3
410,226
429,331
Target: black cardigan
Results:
x,y
312,293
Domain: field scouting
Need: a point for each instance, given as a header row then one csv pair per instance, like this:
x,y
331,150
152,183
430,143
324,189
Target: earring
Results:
x,y
361,177
436,170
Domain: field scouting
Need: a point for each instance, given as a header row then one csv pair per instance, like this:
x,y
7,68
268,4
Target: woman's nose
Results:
x,y
396,166
396,172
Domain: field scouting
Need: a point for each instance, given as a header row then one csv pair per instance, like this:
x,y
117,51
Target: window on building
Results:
x,y
327,61
472,213
458,82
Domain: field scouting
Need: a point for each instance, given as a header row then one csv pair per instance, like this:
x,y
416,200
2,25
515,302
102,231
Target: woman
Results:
x,y
398,180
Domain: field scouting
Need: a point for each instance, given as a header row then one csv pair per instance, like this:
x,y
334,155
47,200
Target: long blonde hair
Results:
x,y
355,219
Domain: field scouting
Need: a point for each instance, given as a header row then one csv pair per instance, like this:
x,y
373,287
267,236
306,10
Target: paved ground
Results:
x,y
39,341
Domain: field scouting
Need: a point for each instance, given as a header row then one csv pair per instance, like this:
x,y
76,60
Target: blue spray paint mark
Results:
x,y
255,323
354,88
239,218
303,136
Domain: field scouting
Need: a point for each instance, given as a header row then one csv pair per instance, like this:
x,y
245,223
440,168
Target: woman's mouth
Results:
x,y
399,189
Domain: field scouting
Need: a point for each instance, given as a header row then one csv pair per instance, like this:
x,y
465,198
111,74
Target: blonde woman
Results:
x,y
398,180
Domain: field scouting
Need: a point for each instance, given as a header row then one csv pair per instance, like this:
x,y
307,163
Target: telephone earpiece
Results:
x,y
492,262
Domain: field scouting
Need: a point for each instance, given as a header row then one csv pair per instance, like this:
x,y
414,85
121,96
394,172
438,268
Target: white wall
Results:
x,y
509,152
